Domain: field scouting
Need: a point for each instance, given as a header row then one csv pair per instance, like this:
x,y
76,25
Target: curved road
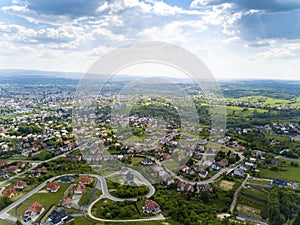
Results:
x,y
100,185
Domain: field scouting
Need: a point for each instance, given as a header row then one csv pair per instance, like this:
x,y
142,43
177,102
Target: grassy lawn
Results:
x,y
41,156
85,221
136,161
46,199
108,209
143,223
263,100
256,192
278,138
134,138
171,165
291,174
261,182
244,111
243,200
86,198
4,222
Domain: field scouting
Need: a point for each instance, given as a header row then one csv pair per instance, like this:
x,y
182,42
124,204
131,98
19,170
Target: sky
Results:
x,y
235,39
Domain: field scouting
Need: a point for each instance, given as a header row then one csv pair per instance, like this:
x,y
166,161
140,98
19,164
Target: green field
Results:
x,y
256,192
46,199
85,221
295,102
136,161
291,174
144,223
134,138
261,182
106,208
171,165
4,222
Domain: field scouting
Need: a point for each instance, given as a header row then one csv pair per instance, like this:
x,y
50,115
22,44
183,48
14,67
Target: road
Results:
x,y
102,184
35,165
236,194
4,212
145,182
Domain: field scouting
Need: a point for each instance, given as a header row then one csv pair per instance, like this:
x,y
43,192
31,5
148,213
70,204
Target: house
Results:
x,y
35,174
3,163
12,169
216,166
223,162
4,174
239,172
169,181
20,184
80,189
42,170
203,173
205,187
146,162
185,168
9,192
152,207
53,186
58,217
21,164
252,160
67,179
249,165
275,162
279,182
86,180
184,187
74,158
35,209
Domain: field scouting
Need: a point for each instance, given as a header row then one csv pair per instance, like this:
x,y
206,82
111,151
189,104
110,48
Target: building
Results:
x,y
9,192
80,189
53,186
67,179
58,217
21,164
279,182
20,184
86,180
146,162
35,209
216,166
152,207
203,173
239,172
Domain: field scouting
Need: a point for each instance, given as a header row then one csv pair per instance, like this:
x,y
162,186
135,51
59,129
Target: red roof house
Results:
x,y
152,207
20,184
53,186
35,209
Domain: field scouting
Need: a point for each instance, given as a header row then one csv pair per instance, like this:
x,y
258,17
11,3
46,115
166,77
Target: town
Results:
x,y
126,168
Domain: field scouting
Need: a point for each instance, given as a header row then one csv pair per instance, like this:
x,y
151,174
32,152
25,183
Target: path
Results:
x,y
235,196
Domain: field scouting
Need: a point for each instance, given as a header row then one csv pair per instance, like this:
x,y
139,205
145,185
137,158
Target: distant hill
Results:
x,y
12,72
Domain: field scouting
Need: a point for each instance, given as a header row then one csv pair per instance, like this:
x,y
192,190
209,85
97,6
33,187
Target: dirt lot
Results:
x,y
226,185
248,209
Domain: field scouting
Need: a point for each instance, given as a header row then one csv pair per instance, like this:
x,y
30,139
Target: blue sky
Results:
x,y
241,39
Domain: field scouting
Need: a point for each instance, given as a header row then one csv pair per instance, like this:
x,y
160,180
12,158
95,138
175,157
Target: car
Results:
x,y
26,219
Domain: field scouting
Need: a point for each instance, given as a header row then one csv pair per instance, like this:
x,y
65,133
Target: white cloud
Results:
x,y
200,3
285,51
